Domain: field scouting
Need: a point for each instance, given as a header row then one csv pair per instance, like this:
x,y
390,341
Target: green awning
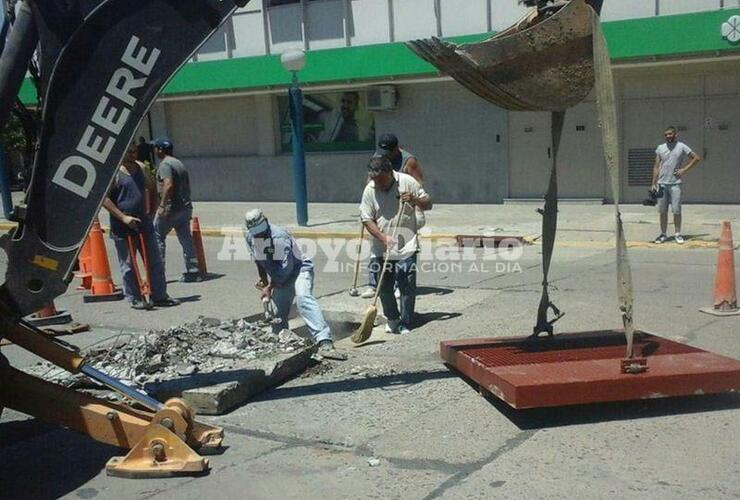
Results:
x,y
636,39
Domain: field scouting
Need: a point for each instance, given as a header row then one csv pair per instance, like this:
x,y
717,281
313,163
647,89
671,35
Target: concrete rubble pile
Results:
x,y
205,346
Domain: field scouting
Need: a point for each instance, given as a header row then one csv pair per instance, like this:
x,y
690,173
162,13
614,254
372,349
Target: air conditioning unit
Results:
x,y
381,98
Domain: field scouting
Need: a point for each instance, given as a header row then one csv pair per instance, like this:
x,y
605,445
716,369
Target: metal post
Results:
x,y
299,156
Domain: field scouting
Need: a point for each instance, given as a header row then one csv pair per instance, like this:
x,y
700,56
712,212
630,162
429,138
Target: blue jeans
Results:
x,y
157,281
180,222
300,289
373,273
403,273
671,196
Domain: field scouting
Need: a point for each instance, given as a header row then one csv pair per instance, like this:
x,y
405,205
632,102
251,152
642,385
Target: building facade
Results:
x,y
226,111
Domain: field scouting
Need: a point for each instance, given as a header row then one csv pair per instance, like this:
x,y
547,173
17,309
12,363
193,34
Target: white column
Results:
x,y
267,132
158,120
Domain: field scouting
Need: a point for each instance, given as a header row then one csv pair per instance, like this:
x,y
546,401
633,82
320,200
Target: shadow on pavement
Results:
x,y
385,382
340,221
213,276
42,461
433,290
189,298
422,319
544,418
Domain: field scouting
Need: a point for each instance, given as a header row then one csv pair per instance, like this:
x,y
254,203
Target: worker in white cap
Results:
x,y
287,275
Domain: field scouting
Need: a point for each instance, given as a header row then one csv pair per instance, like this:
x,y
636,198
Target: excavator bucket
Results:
x,y
542,63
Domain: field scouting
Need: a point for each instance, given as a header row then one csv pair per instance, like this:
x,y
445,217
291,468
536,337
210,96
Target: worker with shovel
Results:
x,y
388,211
285,275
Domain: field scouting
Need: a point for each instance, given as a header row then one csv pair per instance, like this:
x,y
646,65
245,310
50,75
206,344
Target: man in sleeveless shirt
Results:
x,y
406,163
130,207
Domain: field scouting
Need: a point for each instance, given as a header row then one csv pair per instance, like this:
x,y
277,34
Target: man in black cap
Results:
x,y
405,163
402,160
175,208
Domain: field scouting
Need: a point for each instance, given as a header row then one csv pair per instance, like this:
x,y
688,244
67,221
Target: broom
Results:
x,y
365,329
354,292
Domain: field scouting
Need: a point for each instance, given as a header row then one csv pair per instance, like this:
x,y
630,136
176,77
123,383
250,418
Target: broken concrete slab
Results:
x,y
263,374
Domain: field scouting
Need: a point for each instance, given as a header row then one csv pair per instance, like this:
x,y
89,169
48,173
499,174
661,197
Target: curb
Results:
x,y
212,232
319,235
698,244
447,238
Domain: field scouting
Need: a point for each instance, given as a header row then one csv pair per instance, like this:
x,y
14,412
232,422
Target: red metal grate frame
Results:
x,y
581,368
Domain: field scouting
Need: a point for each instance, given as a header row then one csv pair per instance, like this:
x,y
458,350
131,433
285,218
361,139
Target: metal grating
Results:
x,y
585,367
640,162
477,241
559,350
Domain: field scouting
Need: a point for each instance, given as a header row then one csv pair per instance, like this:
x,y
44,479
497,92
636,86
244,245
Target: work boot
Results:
x,y
369,293
140,305
661,239
167,302
327,350
191,278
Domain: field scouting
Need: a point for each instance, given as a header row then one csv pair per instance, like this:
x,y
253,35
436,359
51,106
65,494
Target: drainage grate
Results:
x,y
477,241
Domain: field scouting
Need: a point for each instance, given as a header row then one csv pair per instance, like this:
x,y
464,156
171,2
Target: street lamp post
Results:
x,y
294,60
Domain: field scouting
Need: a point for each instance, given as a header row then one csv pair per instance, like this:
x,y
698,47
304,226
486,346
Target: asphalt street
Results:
x,y
394,422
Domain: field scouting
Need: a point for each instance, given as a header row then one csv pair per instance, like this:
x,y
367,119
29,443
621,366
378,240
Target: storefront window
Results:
x,y
332,122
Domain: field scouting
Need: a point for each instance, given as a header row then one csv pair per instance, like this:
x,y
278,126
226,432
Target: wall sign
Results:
x,y
731,29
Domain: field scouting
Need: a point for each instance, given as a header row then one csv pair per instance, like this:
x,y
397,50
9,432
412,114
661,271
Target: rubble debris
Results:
x,y
317,368
372,371
204,346
373,462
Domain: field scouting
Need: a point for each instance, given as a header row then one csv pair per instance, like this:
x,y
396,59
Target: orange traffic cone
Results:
x,y
199,252
85,261
725,294
48,315
102,287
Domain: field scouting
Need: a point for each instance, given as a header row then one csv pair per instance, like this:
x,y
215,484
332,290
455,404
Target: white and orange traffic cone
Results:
x,y
85,262
49,315
199,251
102,288
725,293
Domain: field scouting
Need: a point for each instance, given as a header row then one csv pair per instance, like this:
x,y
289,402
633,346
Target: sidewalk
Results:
x,y
579,225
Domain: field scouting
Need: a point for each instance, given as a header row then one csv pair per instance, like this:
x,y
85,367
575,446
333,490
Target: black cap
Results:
x,y
162,143
386,144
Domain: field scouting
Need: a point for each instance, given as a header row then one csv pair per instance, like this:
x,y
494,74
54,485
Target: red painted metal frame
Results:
x,y
580,368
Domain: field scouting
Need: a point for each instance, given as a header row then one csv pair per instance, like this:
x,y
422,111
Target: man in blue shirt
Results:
x,y
129,216
285,274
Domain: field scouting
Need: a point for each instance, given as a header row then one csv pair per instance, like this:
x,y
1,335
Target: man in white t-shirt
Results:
x,y
379,210
668,173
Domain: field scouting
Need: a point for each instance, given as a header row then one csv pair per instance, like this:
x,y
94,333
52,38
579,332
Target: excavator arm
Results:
x,y
102,64
99,66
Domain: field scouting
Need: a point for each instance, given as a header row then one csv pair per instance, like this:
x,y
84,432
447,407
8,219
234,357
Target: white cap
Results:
x,y
255,221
